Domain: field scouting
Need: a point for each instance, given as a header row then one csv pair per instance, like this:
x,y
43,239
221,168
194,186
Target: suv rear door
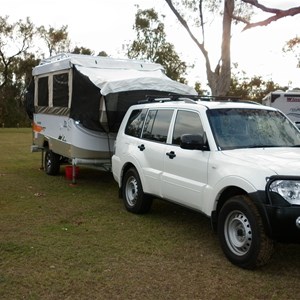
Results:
x,y
185,171
152,148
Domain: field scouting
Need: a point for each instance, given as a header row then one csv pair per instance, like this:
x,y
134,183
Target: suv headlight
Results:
x,y
288,189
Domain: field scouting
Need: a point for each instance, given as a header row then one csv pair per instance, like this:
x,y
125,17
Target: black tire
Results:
x,y
52,163
242,234
135,200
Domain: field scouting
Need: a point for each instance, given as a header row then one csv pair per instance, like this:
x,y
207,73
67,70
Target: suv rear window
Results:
x,y
157,125
135,122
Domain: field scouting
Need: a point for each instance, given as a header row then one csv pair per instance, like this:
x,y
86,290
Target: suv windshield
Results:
x,y
251,128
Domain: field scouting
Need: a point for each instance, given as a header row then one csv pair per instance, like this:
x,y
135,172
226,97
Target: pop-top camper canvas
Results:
x,y
77,103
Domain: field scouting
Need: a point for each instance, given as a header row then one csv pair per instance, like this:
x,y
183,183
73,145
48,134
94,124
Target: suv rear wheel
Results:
x,y
242,235
134,198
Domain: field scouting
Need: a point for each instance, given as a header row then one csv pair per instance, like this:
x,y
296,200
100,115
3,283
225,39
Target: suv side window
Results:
x,y
135,122
187,122
157,125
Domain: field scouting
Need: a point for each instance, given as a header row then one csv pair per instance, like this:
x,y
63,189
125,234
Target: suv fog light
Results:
x,y
298,222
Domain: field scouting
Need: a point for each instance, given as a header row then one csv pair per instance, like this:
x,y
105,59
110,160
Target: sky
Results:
x,y
107,25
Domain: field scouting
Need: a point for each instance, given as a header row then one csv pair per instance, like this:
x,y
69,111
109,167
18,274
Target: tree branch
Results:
x,y
262,7
186,26
201,20
277,14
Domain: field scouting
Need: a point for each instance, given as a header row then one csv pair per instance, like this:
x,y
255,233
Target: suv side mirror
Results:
x,y
193,142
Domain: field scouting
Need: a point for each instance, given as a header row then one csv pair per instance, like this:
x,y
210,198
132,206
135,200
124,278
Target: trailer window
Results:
x,y
60,90
43,92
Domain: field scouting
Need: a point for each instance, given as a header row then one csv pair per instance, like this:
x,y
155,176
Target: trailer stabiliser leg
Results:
x,y
42,160
73,172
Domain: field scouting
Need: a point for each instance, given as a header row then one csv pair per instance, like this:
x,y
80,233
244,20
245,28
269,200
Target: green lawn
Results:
x,y
59,241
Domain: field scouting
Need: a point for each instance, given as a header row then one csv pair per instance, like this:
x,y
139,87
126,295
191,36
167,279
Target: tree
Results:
x,y
255,88
102,53
87,51
15,41
151,44
57,40
293,45
233,12
82,50
199,89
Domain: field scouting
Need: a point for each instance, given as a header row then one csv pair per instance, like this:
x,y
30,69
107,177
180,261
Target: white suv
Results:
x,y
238,163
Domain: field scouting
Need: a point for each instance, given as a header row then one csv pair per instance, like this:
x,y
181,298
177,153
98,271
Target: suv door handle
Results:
x,y
142,147
171,154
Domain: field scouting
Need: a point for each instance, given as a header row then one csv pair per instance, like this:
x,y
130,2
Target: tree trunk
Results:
x,y
219,80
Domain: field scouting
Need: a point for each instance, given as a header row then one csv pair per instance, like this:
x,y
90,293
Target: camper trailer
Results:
x,y
77,103
288,102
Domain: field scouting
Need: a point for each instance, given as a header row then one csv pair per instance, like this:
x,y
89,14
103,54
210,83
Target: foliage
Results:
x,y
293,45
255,88
199,89
102,53
87,51
151,44
82,50
57,40
15,63
15,40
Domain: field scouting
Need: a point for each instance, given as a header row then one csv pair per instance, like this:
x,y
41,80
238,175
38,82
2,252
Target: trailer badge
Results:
x,y
62,138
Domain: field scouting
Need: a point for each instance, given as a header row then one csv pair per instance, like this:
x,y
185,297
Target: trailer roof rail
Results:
x,y
54,58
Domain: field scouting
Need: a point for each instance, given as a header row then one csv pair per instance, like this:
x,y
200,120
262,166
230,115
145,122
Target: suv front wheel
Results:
x,y
134,198
242,235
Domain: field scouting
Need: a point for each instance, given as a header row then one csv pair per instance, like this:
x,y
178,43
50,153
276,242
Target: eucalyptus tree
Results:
x,y
232,12
82,50
16,39
151,44
293,45
56,40
254,88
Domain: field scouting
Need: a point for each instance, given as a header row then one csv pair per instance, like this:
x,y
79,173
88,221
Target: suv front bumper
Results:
x,y
281,219
284,223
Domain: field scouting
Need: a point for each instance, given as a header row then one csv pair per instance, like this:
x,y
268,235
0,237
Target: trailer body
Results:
x,y
77,103
288,102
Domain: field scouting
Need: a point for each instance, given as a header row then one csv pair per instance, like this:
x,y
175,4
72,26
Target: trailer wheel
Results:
x,y
242,235
135,200
52,163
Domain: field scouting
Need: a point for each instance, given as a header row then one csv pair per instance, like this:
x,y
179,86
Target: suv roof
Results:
x,y
209,102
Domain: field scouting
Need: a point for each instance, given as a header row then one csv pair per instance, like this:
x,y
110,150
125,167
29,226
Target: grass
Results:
x,y
59,241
